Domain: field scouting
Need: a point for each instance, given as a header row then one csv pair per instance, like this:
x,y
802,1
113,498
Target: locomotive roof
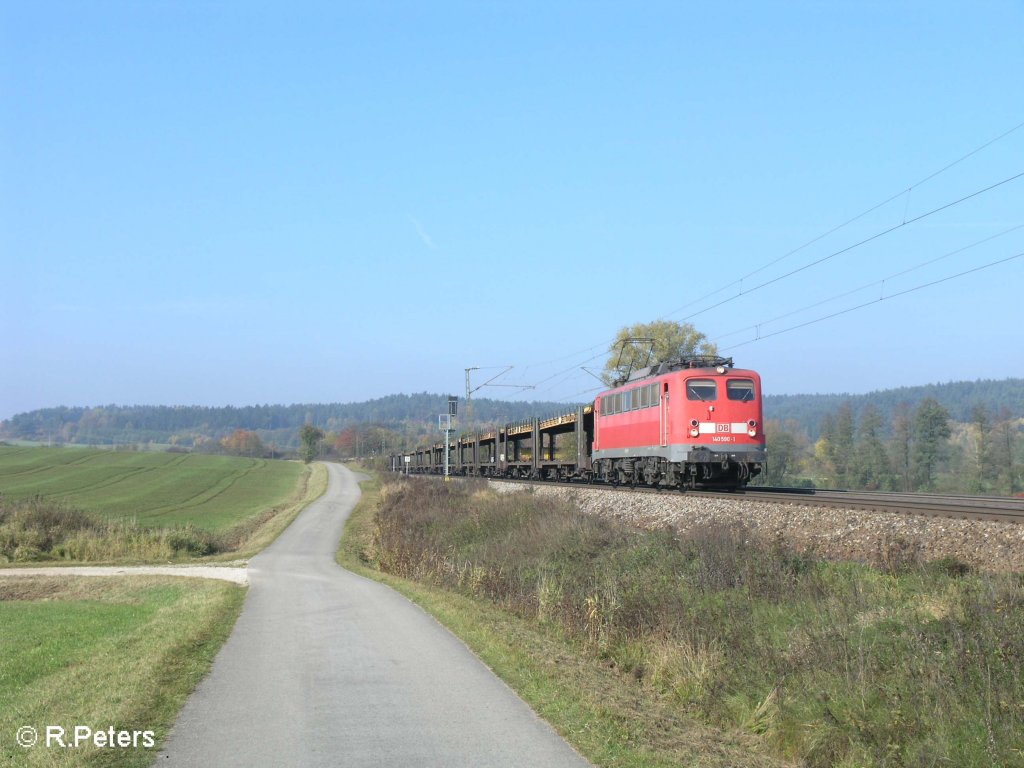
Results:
x,y
690,362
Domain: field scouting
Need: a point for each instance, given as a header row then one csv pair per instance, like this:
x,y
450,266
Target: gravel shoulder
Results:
x,y
880,538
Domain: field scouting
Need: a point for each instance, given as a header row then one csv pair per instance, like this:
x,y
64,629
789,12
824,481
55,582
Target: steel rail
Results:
x,y
1004,509
1000,508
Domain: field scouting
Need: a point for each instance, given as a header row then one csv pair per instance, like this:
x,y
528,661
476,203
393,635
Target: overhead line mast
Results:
x,y
489,383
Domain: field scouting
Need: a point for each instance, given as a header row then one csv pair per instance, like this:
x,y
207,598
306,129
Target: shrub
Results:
x,y
38,530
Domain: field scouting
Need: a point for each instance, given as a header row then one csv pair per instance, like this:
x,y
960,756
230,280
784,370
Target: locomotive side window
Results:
x,y
647,396
701,389
740,389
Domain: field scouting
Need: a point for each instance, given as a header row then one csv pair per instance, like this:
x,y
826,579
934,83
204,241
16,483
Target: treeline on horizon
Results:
x,y
955,437
959,398
416,414
918,449
960,437
277,426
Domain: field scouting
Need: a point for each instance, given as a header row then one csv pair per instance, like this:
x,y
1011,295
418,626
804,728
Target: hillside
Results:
x,y
275,424
959,398
417,414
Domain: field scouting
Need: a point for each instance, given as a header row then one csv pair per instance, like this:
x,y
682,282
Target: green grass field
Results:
x,y
119,652
158,489
124,652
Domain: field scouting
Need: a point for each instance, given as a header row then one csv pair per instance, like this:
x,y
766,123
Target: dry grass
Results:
x,y
600,710
37,530
824,663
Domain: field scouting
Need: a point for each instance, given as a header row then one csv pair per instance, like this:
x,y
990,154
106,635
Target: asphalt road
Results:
x,y
326,668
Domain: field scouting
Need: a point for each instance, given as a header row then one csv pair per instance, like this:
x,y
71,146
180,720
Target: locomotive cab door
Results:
x,y
664,413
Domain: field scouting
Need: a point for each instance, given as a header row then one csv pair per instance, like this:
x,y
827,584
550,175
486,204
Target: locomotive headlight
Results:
x,y
720,369
752,428
694,422
694,432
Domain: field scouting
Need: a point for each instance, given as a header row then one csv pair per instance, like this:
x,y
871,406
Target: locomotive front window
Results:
x,y
701,389
740,389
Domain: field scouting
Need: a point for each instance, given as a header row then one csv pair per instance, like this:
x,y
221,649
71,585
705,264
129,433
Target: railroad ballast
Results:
x,y
695,422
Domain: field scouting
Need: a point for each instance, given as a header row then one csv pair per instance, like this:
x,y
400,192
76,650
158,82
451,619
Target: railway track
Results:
x,y
995,508
1000,508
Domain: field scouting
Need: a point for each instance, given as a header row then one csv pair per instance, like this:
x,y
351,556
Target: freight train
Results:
x,y
692,423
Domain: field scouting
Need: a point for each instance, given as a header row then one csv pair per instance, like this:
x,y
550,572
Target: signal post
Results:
x,y
444,423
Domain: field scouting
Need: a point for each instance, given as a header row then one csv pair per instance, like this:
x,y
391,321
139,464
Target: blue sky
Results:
x,y
234,203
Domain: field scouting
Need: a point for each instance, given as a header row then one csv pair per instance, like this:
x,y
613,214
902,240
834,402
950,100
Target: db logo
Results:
x,y
724,427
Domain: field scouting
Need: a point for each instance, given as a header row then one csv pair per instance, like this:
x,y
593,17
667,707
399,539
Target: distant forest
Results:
x,y
1002,398
955,437
412,416
415,414
276,425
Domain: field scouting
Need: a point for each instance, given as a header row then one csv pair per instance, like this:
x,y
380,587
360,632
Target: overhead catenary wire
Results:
x,y
566,373
859,243
865,304
845,311
816,262
879,281
849,221
880,299
561,374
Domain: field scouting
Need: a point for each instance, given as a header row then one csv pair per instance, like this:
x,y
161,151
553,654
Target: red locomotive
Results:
x,y
695,422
